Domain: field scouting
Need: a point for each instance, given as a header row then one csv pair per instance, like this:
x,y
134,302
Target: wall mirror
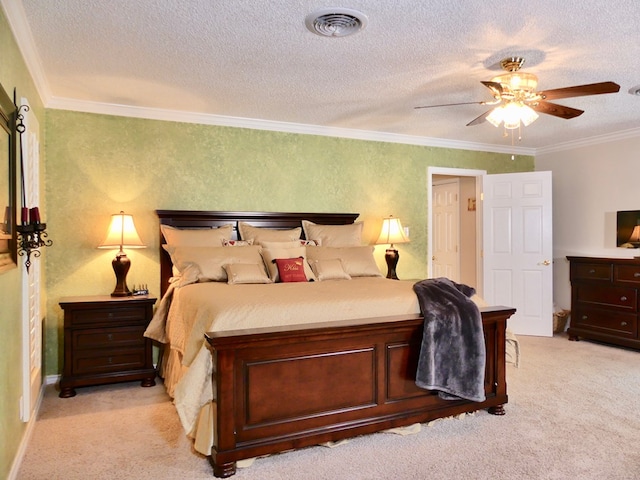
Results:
x,y
7,182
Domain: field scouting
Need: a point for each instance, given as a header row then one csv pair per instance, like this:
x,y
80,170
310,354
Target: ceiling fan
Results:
x,y
517,102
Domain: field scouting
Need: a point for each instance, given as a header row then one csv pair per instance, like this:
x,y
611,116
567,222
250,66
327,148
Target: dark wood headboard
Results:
x,y
208,219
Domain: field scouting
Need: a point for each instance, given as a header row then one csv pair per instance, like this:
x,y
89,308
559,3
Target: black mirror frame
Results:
x,y
8,246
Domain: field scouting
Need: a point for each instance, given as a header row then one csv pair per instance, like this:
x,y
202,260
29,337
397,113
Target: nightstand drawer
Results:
x,y
105,315
108,338
106,361
617,297
627,274
604,321
591,271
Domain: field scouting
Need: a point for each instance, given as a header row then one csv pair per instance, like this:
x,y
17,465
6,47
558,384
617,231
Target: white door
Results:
x,y
31,281
446,232
517,248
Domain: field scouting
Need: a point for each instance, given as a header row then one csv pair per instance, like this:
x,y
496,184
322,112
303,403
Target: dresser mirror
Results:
x,y
7,182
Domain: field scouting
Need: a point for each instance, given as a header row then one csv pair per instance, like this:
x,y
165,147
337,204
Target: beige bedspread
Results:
x,y
214,306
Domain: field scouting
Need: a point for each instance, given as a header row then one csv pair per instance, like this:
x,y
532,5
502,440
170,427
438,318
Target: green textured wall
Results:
x,y
13,74
98,165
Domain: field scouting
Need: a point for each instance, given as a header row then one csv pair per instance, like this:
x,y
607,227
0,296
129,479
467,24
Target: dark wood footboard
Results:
x,y
282,389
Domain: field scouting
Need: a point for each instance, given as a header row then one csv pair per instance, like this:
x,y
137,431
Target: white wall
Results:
x,y
590,184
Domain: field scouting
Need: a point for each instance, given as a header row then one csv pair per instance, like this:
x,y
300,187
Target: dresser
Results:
x,y
104,342
605,300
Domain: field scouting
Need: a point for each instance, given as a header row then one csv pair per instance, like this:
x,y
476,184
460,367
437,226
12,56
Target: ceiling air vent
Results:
x,y
335,22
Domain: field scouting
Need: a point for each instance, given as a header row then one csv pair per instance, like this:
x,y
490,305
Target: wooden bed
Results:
x,y
282,388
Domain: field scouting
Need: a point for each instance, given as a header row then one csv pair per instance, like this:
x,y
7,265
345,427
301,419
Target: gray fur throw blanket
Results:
x,y
452,354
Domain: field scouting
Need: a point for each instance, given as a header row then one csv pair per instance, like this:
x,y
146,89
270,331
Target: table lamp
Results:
x,y
391,233
122,233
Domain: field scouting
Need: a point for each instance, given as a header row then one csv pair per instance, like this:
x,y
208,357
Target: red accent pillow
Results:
x,y
291,269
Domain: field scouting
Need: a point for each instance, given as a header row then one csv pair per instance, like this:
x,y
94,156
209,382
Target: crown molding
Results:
x,y
590,141
286,127
17,19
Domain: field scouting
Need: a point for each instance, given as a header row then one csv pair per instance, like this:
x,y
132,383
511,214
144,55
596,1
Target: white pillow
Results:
x,y
334,235
356,261
210,261
257,234
246,273
196,237
329,270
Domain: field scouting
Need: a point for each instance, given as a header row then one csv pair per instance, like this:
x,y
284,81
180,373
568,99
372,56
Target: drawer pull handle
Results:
x,y
584,317
623,298
110,337
593,270
110,361
624,324
636,275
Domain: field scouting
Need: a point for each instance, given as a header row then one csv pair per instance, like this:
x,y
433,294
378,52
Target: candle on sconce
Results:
x,y
25,215
34,215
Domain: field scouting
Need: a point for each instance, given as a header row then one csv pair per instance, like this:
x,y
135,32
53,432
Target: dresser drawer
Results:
x,y
108,338
616,297
91,316
627,274
591,271
620,324
89,362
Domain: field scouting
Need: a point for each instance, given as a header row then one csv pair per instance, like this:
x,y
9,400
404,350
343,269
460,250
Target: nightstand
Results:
x,y
104,342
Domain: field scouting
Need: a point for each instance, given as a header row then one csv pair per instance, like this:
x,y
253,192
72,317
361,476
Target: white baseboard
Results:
x,y
17,461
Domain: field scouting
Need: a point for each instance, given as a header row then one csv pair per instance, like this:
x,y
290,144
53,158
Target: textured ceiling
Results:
x,y
255,59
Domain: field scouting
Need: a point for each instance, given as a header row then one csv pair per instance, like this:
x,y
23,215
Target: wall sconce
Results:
x,y
122,233
391,232
32,234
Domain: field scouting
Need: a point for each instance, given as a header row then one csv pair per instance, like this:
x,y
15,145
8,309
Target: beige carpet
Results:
x,y
573,413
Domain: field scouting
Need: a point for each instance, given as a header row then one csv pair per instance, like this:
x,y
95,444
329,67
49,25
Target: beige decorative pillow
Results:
x,y
356,261
236,243
258,235
211,260
196,237
246,273
270,254
330,269
289,244
334,235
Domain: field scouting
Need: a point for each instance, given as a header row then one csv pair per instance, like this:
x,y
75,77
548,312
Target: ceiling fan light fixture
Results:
x,y
512,114
335,22
496,116
527,115
518,81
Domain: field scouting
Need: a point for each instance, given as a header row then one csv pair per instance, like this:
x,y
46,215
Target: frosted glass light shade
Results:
x,y
518,81
512,114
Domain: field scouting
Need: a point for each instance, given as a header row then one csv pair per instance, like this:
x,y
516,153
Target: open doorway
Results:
x,y
455,224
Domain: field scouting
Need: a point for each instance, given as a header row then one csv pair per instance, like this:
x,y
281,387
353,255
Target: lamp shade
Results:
x,y
122,233
635,235
391,232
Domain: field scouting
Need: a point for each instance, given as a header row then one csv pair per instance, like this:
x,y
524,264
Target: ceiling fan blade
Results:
x,y
495,87
450,104
480,119
556,110
580,90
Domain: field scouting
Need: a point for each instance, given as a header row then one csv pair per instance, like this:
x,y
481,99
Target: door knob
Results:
x,y
546,263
